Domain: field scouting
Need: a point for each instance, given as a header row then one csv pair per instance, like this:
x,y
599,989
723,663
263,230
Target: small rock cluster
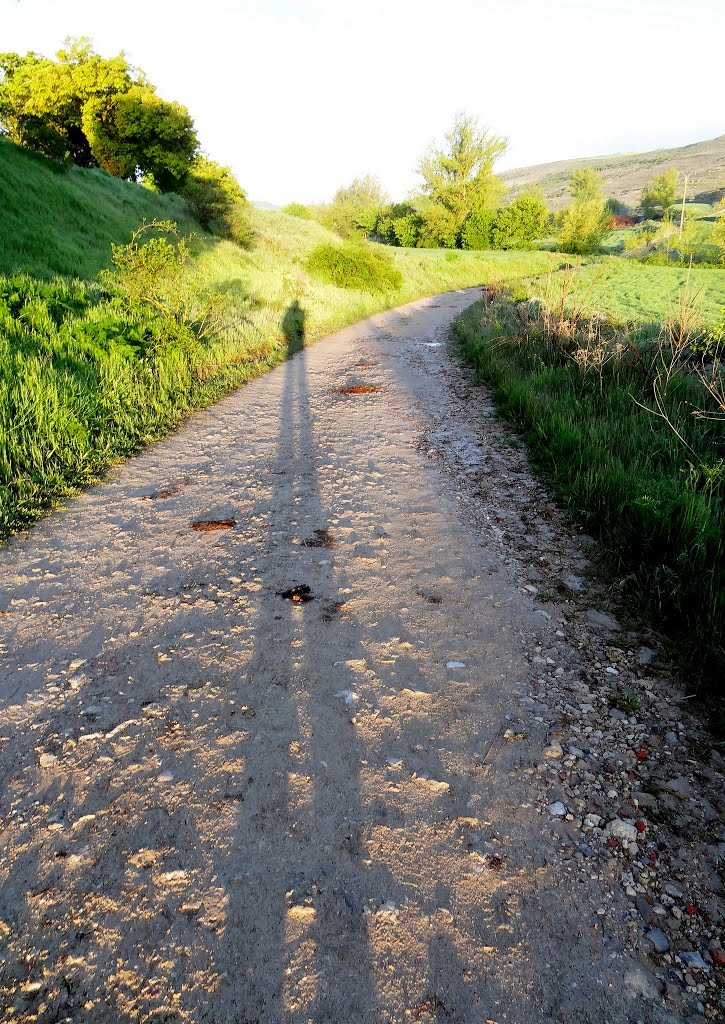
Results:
x,y
632,780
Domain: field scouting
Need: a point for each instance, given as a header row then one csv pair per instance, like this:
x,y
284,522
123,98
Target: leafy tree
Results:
x,y
517,225
42,101
585,185
399,224
355,208
138,130
476,232
459,179
212,192
407,228
510,227
95,111
659,195
584,222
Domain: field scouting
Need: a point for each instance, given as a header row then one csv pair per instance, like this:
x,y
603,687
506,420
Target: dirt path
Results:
x,y
222,805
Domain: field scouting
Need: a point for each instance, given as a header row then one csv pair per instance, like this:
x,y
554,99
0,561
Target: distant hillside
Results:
x,y
625,174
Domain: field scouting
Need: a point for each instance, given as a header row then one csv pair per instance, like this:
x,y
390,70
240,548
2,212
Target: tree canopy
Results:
x,y
659,195
216,199
459,179
584,222
97,112
356,207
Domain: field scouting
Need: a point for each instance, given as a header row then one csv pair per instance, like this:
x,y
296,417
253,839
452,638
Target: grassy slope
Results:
x,y
60,219
273,275
72,401
625,174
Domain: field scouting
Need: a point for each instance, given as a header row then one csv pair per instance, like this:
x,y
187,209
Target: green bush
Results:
x,y
477,230
297,210
354,265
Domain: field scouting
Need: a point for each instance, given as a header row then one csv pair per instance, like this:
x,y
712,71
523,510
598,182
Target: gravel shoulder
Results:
x,y
311,713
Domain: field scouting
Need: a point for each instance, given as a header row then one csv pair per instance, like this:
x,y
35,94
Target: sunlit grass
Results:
x,y
655,499
625,290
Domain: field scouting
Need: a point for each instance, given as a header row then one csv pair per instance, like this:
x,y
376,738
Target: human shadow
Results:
x,y
293,328
296,921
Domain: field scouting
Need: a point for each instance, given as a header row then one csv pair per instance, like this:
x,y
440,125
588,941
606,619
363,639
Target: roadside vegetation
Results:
x,y
628,427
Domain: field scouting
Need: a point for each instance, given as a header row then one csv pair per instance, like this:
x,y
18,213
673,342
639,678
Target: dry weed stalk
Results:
x,y
678,333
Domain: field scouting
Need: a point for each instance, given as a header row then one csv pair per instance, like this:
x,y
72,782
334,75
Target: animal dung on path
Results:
x,y
357,389
208,525
321,539
300,594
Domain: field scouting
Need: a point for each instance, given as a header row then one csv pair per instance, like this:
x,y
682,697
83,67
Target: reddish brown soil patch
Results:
x,y
207,525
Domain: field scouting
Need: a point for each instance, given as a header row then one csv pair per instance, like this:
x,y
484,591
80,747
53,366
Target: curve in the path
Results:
x,y
221,804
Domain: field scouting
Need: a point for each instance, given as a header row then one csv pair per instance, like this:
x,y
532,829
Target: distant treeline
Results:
x,y
460,204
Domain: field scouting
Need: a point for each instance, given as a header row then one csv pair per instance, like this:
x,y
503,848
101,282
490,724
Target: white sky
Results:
x,y
301,96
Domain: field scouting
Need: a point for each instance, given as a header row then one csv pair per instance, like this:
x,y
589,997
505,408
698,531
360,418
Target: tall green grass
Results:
x,y
60,219
656,505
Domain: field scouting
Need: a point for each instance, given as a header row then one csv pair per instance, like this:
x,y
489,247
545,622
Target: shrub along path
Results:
x,y
288,733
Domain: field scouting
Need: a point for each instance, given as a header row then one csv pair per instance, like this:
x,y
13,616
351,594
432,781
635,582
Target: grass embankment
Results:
x,y
655,502
88,376
61,219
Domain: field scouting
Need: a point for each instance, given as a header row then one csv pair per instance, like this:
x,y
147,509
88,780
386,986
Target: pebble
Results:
x,y
47,760
598,618
349,696
92,710
644,909
658,939
679,787
622,830
554,750
640,983
694,960
455,664
89,737
557,810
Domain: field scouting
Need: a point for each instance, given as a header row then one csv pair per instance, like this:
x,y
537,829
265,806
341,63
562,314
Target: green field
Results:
x,y
87,377
631,292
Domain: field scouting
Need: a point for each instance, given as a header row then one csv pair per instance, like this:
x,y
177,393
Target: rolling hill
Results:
x,y
625,174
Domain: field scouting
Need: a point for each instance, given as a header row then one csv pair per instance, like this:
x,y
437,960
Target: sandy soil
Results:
x,y
223,805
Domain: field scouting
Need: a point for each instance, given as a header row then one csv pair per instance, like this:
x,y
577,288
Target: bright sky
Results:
x,y
301,96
